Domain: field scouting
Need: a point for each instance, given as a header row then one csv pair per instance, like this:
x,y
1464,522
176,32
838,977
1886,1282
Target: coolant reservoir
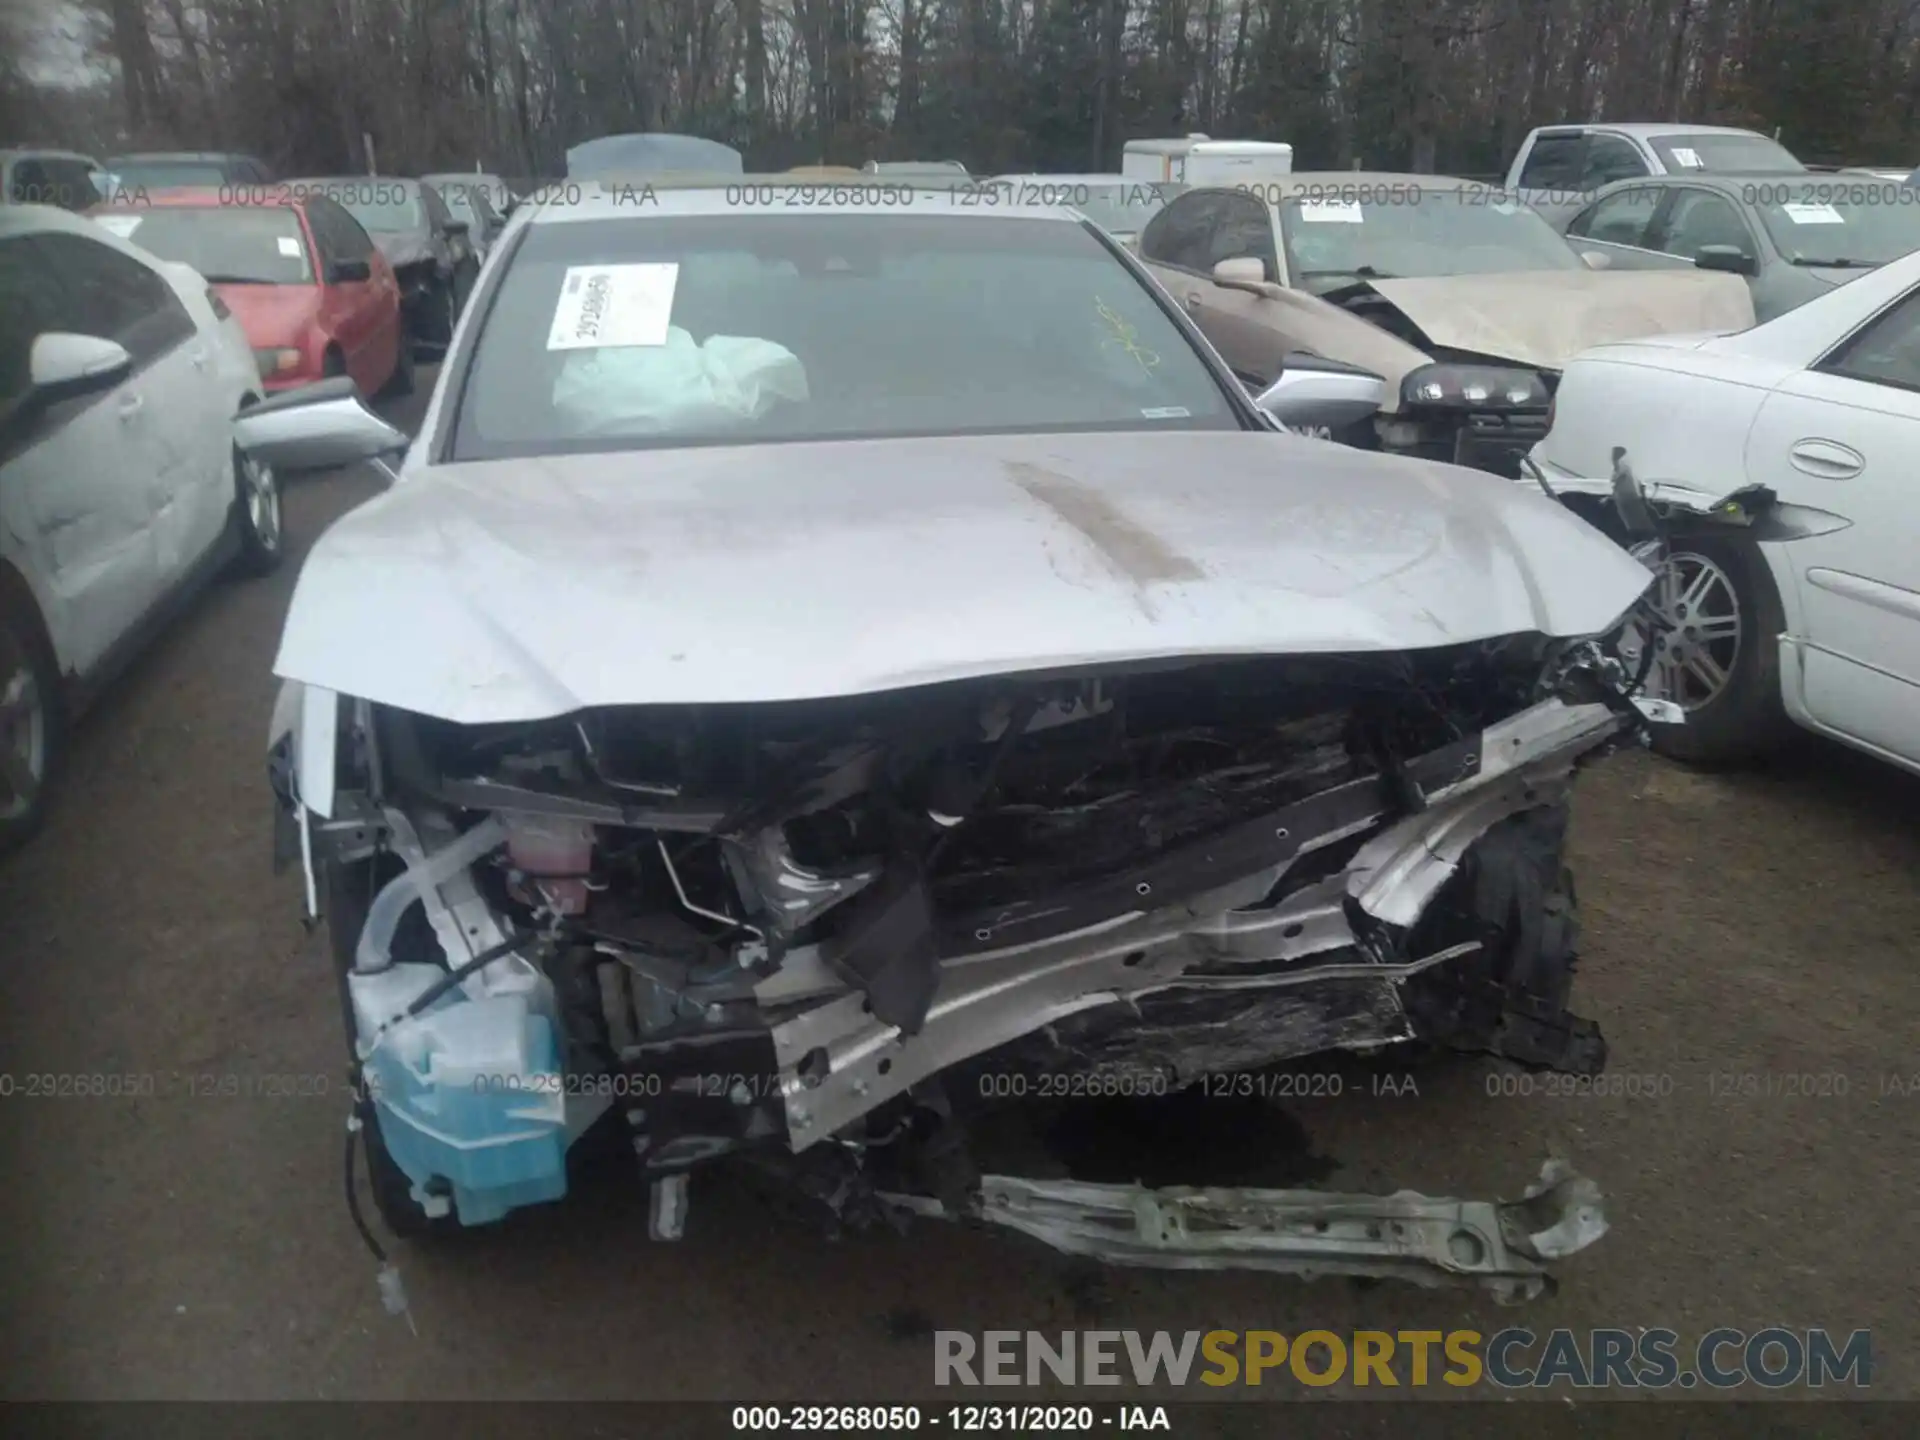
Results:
x,y
555,855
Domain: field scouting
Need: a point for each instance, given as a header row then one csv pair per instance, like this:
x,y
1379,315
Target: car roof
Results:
x,y
1089,178
27,219
205,197
1649,129
208,155
43,152
407,180
1337,184
659,195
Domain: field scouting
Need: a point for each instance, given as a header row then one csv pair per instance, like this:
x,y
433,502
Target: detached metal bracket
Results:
x,y
1498,1244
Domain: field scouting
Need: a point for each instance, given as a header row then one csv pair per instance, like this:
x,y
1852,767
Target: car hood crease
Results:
x,y
523,589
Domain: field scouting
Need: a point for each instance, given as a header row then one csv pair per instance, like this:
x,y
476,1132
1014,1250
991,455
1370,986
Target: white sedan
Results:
x,y
120,489
1822,408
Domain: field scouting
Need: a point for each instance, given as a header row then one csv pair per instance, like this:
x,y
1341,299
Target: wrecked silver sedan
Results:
x,y
806,658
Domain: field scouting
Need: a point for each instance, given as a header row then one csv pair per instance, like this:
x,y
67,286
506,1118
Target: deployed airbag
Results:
x,y
681,385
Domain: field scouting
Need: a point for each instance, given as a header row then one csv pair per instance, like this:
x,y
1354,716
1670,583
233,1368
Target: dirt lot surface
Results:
x,y
195,1244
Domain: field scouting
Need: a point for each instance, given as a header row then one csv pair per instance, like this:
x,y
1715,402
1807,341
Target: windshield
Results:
x,y
1858,223
390,207
227,244
624,333
137,174
1400,232
1723,154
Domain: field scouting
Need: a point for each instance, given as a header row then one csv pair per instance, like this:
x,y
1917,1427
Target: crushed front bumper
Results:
x,y
1498,1245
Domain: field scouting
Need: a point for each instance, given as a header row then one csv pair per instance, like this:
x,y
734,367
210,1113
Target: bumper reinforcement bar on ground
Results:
x,y
1498,1244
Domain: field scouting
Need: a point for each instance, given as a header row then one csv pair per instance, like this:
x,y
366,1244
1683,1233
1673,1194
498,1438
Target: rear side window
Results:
x,y
48,180
1609,158
344,237
121,299
1887,352
1620,219
1553,163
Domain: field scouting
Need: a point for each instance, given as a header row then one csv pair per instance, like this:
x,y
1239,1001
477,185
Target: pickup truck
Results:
x,y
1559,167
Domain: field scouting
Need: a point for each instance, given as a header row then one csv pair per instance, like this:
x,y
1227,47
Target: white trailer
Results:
x,y
1201,160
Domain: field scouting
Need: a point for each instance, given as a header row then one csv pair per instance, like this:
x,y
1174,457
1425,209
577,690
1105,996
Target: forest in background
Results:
x,y
1052,85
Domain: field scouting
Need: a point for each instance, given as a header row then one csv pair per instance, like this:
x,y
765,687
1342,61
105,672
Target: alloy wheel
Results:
x,y
262,494
1691,618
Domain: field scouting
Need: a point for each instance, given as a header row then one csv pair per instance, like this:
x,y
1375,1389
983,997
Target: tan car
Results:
x,y
1465,302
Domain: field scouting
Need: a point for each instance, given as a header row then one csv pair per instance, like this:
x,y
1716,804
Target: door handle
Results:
x,y
1826,459
129,406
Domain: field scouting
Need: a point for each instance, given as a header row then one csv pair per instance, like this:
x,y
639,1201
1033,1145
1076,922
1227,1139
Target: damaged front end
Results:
x,y
781,931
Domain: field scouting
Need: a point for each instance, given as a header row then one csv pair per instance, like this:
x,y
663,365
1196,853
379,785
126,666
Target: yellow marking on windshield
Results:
x,y
1124,335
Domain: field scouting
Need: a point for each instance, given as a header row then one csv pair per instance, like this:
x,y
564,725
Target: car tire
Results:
x,y
348,892
400,383
32,723
257,518
1742,719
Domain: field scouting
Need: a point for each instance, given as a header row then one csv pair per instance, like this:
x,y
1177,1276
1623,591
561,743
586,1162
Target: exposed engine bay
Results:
x,y
792,933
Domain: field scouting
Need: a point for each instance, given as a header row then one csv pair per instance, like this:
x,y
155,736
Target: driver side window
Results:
x,y
1181,236
1701,218
1244,230
1886,352
1619,219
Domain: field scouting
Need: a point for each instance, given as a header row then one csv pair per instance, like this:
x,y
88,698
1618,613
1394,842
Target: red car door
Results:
x,y
350,301
374,302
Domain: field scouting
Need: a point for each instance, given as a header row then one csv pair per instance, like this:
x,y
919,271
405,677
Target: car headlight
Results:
x,y
1473,387
275,361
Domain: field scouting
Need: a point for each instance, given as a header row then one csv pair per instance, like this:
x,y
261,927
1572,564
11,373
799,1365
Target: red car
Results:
x,y
314,294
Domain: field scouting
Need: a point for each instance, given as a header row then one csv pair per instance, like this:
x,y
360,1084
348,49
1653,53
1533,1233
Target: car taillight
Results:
x,y
220,310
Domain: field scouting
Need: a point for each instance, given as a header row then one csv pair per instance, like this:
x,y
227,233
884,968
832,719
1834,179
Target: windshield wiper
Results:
x,y
1365,272
236,279
1840,264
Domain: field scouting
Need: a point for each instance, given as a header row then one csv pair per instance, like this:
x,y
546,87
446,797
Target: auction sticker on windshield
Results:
x,y
289,246
1688,157
1320,212
1813,214
604,306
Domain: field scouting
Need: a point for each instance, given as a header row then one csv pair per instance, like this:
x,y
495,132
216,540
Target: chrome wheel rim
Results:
x,y
23,733
1691,618
263,502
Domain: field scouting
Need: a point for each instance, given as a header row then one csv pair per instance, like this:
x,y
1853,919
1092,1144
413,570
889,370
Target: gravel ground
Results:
x,y
194,1244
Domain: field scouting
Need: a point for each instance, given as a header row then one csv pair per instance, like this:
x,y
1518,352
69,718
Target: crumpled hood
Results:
x,y
404,247
523,589
1546,317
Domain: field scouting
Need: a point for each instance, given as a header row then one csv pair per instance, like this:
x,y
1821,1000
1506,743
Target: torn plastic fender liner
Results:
x,y
1501,1245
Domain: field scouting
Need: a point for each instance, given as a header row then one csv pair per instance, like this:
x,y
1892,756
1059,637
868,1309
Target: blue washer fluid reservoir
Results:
x,y
469,1092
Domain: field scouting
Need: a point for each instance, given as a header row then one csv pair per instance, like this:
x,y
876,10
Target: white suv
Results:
x,y
120,490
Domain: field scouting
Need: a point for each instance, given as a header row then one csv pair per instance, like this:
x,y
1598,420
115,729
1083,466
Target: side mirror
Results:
x,y
349,272
316,427
1320,395
1596,259
1242,273
64,366
1728,259
456,227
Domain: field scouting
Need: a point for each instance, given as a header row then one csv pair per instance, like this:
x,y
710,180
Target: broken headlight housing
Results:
x,y
1473,387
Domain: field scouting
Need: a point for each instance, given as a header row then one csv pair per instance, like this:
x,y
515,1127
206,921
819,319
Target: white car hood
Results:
x,y
524,589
